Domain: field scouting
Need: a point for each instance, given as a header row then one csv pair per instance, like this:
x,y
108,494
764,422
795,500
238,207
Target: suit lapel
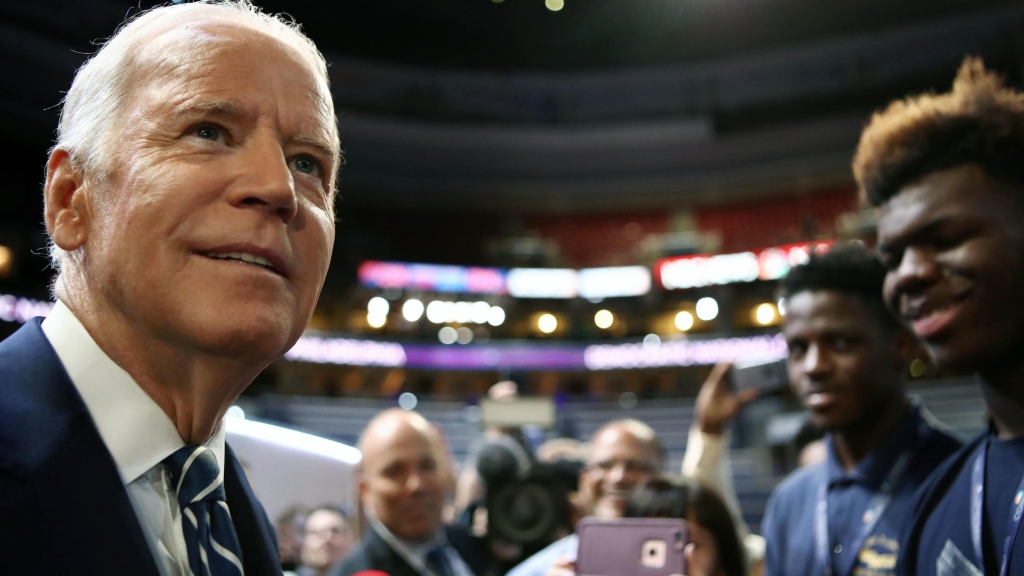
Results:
x,y
255,533
54,446
388,560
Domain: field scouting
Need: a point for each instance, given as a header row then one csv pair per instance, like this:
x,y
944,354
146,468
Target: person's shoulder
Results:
x,y
794,492
928,496
942,441
38,403
799,481
473,549
361,558
946,471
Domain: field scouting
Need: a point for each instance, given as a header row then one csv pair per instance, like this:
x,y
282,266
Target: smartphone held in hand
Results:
x,y
631,547
768,377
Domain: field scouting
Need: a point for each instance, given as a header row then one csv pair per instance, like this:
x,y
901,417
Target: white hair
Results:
x,y
93,106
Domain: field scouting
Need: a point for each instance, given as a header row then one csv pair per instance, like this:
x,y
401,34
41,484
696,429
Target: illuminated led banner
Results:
x,y
432,277
319,350
593,283
614,282
21,310
684,352
543,283
772,263
322,349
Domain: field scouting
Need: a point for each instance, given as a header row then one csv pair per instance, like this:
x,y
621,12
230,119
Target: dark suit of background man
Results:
x,y
401,486
946,171
189,202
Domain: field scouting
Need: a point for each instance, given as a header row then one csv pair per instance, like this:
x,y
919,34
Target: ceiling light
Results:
x,y
547,323
447,335
376,320
412,310
765,314
496,316
684,320
479,311
707,309
437,312
378,306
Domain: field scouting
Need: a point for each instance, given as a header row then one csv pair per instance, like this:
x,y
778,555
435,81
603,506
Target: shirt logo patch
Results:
x,y
877,557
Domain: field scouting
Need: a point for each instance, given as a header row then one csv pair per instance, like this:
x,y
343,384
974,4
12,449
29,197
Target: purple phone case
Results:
x,y
614,547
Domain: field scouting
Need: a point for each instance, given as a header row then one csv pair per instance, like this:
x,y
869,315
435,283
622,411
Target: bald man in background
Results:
x,y
402,488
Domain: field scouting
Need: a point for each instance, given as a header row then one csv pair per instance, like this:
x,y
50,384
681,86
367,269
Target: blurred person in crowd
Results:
x,y
401,488
623,455
848,356
328,537
291,528
470,489
561,449
714,548
707,453
946,172
189,201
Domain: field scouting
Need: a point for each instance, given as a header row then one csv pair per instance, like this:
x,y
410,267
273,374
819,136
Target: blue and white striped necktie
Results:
x,y
210,538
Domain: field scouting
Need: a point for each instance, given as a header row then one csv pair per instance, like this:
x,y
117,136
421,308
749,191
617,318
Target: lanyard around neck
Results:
x,y
978,513
876,507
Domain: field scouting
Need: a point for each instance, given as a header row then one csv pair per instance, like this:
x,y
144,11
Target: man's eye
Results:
x,y
208,133
306,165
841,343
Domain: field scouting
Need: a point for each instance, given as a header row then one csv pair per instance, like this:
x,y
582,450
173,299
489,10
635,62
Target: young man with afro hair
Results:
x,y
947,173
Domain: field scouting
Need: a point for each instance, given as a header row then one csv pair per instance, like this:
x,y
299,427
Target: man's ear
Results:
x,y
361,486
65,208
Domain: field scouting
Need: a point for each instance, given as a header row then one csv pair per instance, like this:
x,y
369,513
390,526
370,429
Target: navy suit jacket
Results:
x,y
374,553
63,506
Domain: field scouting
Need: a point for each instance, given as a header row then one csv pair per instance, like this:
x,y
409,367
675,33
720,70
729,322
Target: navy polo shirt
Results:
x,y
789,522
942,528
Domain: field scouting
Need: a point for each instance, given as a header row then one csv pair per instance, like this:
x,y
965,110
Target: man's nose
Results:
x,y
414,482
618,473
816,362
268,182
916,270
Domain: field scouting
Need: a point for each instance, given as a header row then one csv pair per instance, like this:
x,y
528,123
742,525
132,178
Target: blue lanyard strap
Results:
x,y
978,513
876,508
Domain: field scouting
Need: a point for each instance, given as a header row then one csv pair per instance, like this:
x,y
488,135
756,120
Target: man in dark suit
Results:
x,y
189,199
401,487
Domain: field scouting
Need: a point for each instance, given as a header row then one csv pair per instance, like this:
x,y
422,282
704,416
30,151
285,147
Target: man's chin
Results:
x,y
959,359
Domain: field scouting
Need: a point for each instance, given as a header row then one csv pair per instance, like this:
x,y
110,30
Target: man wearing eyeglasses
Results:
x,y
623,455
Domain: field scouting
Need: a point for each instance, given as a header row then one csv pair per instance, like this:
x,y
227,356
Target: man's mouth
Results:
x,y
246,257
821,399
929,321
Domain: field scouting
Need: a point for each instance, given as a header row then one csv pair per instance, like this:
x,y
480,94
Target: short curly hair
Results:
x,y
980,121
848,269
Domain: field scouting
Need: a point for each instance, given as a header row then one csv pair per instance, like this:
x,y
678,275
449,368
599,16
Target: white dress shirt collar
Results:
x,y
415,553
137,432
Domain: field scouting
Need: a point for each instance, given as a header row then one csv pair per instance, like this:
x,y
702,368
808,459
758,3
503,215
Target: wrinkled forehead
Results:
x,y
194,45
